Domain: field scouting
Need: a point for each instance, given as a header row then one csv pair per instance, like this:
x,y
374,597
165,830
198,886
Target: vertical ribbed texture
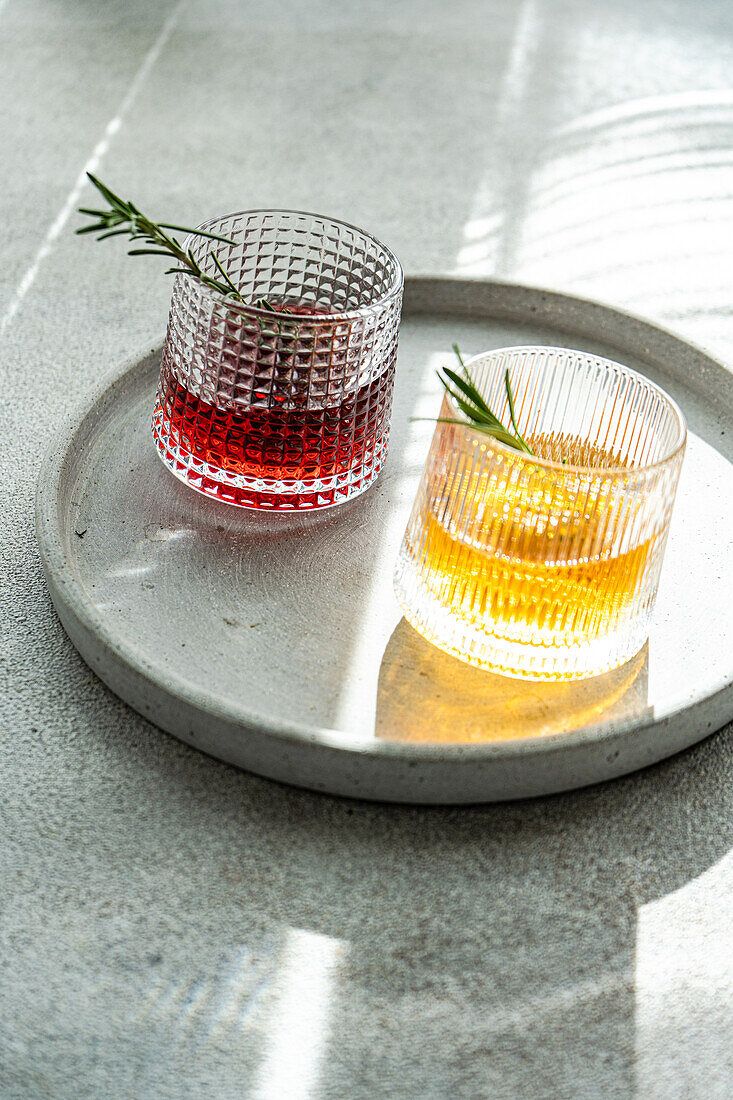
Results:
x,y
545,570
273,411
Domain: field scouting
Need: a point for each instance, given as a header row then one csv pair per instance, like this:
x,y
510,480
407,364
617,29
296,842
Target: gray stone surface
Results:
x,y
172,927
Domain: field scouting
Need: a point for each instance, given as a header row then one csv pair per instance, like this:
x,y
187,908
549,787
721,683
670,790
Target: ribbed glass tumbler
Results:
x,y
285,403
545,567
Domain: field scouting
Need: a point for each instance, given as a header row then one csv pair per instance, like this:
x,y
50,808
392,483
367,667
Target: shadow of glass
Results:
x,y
427,695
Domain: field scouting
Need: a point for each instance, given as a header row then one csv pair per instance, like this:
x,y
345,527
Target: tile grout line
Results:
x,y
91,165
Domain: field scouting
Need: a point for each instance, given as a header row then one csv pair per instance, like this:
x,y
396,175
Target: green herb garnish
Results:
x,y
124,219
464,392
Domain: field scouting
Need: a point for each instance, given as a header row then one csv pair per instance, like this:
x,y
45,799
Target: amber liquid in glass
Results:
x,y
513,574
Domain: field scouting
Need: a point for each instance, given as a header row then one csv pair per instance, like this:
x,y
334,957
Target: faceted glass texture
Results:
x,y
545,567
288,409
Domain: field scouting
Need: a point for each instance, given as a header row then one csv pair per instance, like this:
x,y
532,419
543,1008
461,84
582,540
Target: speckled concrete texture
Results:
x,y
172,927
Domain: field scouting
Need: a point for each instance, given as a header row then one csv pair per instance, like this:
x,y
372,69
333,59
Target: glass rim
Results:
x,y
385,299
551,464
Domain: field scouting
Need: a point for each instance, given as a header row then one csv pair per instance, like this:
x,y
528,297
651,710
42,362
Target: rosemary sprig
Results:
x,y
467,397
124,219
286,332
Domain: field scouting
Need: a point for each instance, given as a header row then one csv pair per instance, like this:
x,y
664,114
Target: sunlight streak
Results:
x,y
630,203
300,1024
684,989
631,110
91,165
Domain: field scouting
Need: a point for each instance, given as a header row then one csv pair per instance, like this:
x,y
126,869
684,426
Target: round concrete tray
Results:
x,y
274,642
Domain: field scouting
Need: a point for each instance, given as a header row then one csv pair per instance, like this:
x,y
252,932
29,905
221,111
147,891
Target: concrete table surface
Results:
x,y
172,927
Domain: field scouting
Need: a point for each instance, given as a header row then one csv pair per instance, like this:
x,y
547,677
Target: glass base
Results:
x,y
478,645
264,493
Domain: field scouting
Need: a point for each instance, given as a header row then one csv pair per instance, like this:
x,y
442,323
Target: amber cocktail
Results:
x,y
545,566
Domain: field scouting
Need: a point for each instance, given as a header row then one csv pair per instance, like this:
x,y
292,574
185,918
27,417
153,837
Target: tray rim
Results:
x,y
423,294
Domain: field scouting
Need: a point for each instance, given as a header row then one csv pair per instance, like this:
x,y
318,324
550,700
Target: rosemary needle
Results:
x,y
124,219
467,397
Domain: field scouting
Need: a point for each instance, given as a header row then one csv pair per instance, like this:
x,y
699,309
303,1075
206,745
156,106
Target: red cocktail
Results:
x,y
287,406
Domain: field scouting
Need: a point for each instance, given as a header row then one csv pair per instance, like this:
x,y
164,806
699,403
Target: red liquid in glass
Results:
x,y
299,445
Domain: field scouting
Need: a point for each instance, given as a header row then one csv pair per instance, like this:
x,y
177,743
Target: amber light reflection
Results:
x,y
426,695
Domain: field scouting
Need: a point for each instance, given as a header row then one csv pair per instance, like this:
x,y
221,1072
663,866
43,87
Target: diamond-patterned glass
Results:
x,y
283,410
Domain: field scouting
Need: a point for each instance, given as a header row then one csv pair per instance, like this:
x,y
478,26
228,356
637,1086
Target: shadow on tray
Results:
x,y
427,695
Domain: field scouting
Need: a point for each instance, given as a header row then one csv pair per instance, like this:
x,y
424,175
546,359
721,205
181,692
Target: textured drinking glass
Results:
x,y
545,567
287,409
